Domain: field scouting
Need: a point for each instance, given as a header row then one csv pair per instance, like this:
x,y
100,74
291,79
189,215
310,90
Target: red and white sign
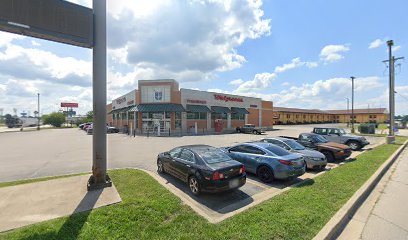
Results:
x,y
227,98
69,105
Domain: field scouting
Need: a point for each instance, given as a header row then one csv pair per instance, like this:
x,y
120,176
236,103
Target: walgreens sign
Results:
x,y
227,98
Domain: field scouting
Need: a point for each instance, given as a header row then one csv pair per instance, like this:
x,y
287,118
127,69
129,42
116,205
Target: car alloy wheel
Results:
x,y
265,174
354,145
160,168
194,186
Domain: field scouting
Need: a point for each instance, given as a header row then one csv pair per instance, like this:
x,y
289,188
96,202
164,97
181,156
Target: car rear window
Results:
x,y
277,150
212,155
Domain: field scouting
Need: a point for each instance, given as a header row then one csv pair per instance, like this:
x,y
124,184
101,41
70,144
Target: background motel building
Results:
x,y
161,104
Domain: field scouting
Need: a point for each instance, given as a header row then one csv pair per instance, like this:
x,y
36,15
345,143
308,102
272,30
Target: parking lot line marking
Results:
x,y
257,183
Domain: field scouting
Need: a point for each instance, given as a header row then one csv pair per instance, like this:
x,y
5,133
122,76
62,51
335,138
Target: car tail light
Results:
x,y
242,169
218,176
286,162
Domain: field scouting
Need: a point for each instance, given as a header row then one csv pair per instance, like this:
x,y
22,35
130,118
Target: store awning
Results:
x,y
218,109
121,110
133,109
160,107
197,108
239,110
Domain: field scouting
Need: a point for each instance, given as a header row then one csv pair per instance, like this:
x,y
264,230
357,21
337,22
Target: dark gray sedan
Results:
x,y
204,168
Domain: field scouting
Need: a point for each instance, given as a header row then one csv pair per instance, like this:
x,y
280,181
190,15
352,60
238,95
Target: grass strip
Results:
x,y
149,211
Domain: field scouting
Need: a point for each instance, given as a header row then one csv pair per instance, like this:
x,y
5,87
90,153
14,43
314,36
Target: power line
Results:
x,y
404,97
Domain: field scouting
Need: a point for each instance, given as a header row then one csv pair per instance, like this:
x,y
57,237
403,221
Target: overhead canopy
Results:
x,y
239,110
133,109
160,107
218,109
121,110
197,108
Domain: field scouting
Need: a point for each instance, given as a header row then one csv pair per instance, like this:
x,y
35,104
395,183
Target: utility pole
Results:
x,y
352,104
38,111
348,112
391,66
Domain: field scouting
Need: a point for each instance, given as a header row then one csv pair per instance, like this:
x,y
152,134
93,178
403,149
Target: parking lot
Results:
x,y
62,151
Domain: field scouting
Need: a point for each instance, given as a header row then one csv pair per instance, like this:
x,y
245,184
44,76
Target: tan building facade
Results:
x,y
300,116
160,105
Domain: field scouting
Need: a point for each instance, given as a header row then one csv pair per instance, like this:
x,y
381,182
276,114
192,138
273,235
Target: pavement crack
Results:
x,y
394,224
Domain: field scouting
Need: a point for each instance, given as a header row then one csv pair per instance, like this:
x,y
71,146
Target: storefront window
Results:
x,y
113,116
155,115
178,120
124,116
218,116
237,116
131,115
197,116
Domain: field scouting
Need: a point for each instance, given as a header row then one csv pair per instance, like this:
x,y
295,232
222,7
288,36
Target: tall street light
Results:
x,y
352,104
348,112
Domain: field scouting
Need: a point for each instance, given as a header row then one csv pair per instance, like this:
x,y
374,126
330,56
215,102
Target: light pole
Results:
x,y
38,111
348,112
352,104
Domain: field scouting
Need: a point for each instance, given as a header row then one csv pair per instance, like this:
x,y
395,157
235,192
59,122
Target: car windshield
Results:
x,y
278,151
212,155
294,145
319,139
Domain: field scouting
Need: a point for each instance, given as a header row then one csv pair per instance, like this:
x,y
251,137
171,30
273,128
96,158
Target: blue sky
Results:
x,y
295,53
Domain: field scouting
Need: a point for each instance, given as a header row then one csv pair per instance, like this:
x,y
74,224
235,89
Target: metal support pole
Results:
x,y
99,178
391,137
348,112
352,104
38,111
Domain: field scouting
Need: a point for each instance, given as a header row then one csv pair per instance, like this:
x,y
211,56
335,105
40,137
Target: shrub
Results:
x,y
55,119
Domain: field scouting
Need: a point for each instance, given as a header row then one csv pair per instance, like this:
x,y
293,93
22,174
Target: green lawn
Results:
x,y
149,211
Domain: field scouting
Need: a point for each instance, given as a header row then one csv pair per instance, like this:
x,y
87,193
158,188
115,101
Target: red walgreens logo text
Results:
x,y
227,99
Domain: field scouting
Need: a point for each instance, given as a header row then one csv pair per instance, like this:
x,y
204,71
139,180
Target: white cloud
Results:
x,y
264,80
285,84
333,53
396,48
35,43
376,43
236,82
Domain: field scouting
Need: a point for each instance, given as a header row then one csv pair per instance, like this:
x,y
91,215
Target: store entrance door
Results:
x,y
156,122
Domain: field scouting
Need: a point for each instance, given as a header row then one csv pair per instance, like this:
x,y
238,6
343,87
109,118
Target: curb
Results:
x,y
338,222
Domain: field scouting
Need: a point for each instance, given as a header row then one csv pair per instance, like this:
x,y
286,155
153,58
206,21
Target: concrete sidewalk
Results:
x,y
26,204
384,214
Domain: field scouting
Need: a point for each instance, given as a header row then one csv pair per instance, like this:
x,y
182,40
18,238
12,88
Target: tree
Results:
x,y
55,119
88,118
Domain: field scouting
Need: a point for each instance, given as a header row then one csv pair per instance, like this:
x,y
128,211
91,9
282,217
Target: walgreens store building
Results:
x,y
159,105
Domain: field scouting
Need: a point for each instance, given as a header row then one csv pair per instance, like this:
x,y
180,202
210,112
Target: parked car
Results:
x,y
339,135
313,158
332,151
249,128
267,161
86,126
111,129
204,168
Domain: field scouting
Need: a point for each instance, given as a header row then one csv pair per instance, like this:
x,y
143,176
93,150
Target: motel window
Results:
x,y
218,116
237,116
197,115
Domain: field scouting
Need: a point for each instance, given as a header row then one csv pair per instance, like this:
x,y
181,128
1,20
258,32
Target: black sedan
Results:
x,y
204,168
